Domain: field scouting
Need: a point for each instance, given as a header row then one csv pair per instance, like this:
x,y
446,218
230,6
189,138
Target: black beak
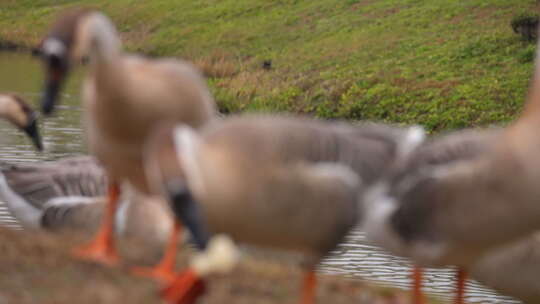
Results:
x,y
186,210
32,131
56,72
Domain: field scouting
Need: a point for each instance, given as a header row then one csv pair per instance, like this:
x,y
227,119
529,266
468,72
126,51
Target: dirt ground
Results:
x,y
37,268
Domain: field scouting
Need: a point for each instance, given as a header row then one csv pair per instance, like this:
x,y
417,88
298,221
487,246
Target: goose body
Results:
x,y
142,218
413,223
28,189
262,165
449,203
280,182
125,97
512,269
69,194
414,227
119,119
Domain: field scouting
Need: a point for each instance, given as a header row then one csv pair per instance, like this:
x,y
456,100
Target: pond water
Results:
x,y
63,136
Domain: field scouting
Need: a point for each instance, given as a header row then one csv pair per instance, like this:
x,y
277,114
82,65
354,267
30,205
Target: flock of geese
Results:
x,y
467,199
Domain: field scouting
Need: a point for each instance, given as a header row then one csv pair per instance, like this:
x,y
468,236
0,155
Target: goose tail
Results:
x,y
412,139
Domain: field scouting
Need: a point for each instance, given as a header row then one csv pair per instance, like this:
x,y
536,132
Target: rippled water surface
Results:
x,y
357,258
63,136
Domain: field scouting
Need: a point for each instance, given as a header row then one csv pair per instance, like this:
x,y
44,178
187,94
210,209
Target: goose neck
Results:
x,y
101,38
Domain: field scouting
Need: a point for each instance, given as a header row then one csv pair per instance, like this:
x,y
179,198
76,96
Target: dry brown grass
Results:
x,y
37,268
218,65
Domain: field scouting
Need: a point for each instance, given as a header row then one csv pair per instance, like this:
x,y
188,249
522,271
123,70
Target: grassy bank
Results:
x,y
443,63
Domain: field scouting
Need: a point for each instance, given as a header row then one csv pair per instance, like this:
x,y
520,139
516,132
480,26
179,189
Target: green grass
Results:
x,y
443,63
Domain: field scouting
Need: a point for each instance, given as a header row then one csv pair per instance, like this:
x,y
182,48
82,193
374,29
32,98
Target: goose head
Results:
x,y
75,36
18,112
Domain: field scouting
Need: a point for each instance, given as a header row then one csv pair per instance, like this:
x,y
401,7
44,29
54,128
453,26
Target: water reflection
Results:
x,y
357,258
62,136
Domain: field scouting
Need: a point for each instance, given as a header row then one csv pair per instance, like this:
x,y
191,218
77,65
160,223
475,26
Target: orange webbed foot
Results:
x,y
186,288
160,273
97,252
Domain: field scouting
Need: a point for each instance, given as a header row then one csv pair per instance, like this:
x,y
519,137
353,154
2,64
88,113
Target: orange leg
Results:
x,y
101,249
461,277
308,288
186,288
417,295
164,270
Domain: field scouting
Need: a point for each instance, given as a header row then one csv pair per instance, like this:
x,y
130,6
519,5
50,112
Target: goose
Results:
x,y
29,189
457,197
437,151
124,97
69,194
143,218
512,269
14,109
279,182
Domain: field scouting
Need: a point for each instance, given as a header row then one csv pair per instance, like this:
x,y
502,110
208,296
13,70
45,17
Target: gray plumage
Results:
x,y
512,269
80,214
39,182
69,194
28,189
146,219
368,148
285,182
414,219
439,207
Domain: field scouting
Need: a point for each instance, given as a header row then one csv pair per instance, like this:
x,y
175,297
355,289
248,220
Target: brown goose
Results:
x,y
436,152
124,97
512,269
282,182
14,109
68,194
460,196
29,189
146,219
